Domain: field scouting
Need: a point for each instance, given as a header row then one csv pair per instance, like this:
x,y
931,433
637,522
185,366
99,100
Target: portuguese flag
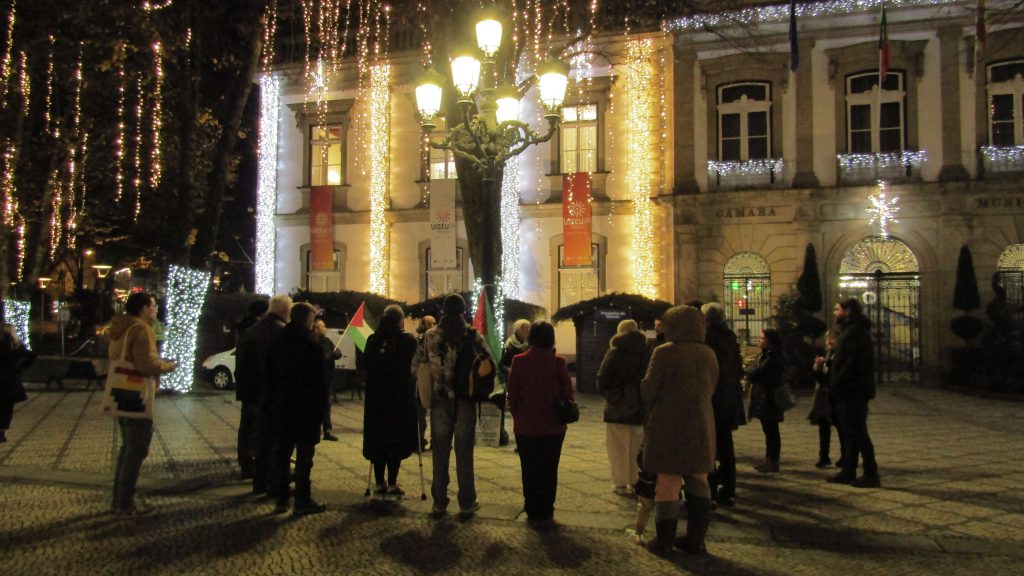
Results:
x,y
483,321
358,329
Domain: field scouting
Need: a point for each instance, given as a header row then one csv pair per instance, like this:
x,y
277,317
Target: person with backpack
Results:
x,y
459,371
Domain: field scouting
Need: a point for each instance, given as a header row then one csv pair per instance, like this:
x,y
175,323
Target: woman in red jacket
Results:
x,y
537,382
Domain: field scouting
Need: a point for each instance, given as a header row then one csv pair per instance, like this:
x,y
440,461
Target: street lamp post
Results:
x,y
101,270
494,134
43,283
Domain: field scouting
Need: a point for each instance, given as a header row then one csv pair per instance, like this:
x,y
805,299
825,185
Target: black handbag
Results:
x,y
568,411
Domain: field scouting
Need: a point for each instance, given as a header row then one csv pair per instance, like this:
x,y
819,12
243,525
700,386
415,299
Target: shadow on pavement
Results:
x,y
424,554
562,550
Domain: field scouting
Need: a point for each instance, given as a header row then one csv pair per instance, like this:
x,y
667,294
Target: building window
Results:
x,y
747,282
326,157
438,282
442,162
874,118
578,139
744,121
578,283
323,280
1006,103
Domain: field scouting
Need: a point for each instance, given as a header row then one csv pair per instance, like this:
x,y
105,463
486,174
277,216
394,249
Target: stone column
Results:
x,y
683,108
805,176
949,74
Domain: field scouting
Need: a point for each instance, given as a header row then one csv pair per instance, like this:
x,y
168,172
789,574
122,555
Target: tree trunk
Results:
x,y
181,228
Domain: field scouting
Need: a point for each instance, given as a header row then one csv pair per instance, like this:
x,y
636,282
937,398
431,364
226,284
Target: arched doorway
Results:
x,y
1010,269
748,295
883,274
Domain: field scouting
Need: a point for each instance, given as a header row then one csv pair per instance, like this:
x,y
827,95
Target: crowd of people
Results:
x,y
671,405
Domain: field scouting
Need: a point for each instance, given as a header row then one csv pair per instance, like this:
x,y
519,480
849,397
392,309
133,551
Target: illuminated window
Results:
x,y
874,119
332,280
578,283
747,281
578,139
744,121
1006,103
326,157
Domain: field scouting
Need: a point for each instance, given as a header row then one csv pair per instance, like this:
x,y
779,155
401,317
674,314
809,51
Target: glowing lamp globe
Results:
x,y
465,71
508,104
488,34
554,78
428,95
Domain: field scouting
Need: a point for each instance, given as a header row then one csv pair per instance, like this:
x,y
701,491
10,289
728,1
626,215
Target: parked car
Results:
x,y
219,369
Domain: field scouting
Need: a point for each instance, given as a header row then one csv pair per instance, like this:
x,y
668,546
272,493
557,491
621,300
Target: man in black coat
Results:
x,y
254,442
295,373
727,401
852,386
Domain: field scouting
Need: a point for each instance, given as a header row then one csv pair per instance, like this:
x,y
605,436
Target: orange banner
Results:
x,y
321,228
576,219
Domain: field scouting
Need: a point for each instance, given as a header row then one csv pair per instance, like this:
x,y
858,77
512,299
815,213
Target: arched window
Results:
x,y
1010,269
747,282
744,121
874,118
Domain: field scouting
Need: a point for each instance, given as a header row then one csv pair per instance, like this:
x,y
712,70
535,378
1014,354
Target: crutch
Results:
x,y
369,474
419,455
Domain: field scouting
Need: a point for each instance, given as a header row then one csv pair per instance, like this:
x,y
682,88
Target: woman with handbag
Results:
x,y
765,378
540,399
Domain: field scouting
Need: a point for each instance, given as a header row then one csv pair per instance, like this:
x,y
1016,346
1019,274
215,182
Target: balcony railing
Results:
x,y
888,166
746,174
1002,159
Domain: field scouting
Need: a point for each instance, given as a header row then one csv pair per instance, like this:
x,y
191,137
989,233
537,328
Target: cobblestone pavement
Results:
x,y
951,502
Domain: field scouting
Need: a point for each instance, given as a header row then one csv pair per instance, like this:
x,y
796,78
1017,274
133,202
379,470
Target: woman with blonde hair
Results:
x,y
618,380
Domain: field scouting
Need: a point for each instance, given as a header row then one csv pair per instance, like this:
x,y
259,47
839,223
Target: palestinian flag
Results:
x,y
358,329
483,321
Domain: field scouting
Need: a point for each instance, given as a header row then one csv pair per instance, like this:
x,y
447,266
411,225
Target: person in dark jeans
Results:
x,y
727,401
537,381
295,372
330,355
765,376
823,413
852,385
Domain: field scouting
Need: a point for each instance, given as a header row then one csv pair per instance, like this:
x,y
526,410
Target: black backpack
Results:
x,y
468,385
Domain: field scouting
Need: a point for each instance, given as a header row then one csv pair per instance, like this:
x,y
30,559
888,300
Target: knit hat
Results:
x,y
394,311
454,305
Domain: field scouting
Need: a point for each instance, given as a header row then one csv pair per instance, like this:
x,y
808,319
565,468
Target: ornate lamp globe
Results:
x,y
554,78
508,104
428,97
488,32
466,72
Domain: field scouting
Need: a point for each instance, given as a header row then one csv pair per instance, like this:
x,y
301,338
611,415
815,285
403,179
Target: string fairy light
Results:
x,y
1003,158
154,5
883,209
746,168
8,55
510,228
380,126
56,203
47,116
120,137
266,189
186,294
136,142
781,13
73,149
16,313
639,77
269,34
156,168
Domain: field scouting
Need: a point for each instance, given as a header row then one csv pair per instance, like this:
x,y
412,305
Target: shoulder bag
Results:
x,y
127,392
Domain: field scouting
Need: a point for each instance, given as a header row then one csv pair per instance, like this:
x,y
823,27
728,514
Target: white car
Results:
x,y
220,369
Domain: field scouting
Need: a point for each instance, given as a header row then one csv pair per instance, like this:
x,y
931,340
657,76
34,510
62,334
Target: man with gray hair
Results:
x,y
726,402
254,442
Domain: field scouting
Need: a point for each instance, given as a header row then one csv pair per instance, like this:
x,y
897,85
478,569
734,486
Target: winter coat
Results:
x,y
251,358
295,374
513,347
765,376
440,350
135,337
390,420
14,357
852,373
538,381
330,355
679,436
727,400
618,378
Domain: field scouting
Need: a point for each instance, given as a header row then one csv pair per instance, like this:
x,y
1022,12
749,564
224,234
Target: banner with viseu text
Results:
x,y
576,220
321,228
442,225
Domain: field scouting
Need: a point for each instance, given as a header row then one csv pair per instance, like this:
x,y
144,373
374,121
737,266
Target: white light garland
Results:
x,y
156,168
780,13
883,209
186,293
266,194
1003,158
380,128
510,228
882,160
746,167
639,111
16,313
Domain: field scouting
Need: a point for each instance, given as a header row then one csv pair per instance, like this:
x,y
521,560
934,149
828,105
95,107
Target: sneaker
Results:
x,y
470,510
839,479
623,491
380,490
638,538
867,481
329,436
825,462
396,491
311,507
439,509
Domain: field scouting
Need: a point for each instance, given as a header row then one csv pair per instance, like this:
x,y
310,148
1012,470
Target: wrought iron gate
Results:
x,y
882,274
748,296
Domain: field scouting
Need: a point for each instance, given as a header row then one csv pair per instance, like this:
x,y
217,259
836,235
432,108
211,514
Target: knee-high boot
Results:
x,y
665,522
698,517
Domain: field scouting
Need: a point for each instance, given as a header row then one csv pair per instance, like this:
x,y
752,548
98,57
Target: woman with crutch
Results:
x,y
390,432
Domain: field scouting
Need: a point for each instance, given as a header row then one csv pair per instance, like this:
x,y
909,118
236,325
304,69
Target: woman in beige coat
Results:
x,y
679,436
